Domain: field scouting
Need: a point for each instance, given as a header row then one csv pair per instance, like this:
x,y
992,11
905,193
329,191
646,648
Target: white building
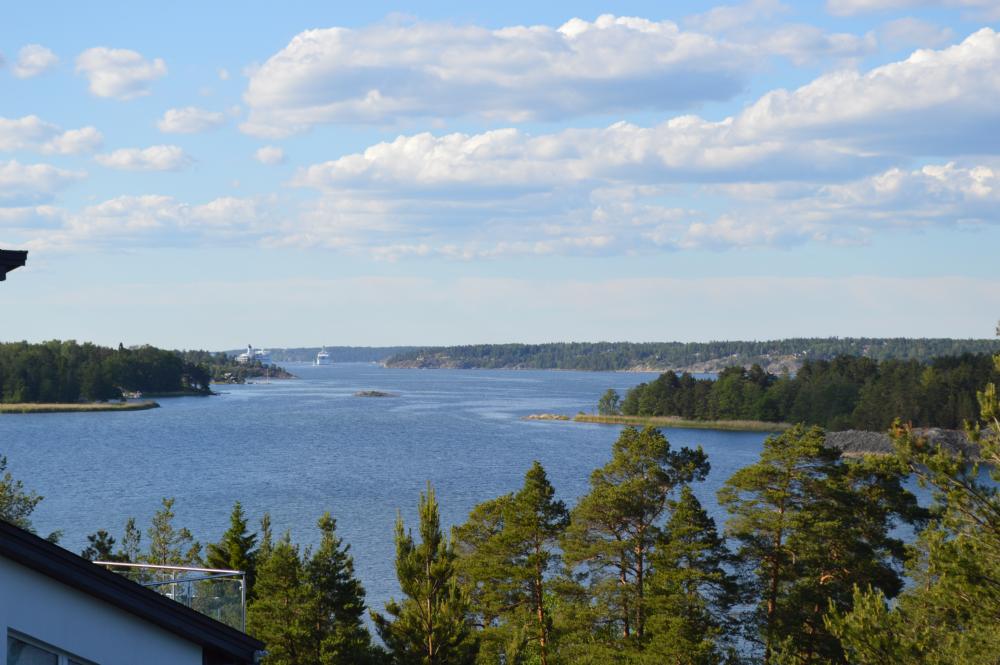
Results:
x,y
57,608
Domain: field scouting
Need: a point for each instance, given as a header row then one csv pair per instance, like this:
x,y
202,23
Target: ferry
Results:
x,y
323,358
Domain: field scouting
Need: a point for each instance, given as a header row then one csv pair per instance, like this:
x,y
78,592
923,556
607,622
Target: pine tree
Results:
x,y
613,529
690,589
430,625
507,549
810,527
16,505
339,636
169,546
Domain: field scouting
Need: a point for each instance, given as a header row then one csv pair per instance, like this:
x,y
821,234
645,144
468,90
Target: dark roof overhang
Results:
x,y
219,642
10,259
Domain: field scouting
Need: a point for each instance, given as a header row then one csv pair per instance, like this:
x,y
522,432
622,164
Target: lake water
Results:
x,y
299,448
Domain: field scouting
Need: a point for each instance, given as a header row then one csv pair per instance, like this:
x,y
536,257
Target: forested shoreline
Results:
x,y
844,393
775,356
67,372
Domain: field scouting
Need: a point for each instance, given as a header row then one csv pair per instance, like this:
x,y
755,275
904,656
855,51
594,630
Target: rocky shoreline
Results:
x,y
859,442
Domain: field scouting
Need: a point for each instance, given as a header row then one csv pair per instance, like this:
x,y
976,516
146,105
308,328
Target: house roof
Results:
x,y
10,259
221,644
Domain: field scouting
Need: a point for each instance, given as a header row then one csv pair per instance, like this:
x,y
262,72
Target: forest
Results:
x,y
705,356
809,566
847,392
67,372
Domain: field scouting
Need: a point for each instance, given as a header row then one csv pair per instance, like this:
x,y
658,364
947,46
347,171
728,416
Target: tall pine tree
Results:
x,y
507,550
614,528
810,526
430,625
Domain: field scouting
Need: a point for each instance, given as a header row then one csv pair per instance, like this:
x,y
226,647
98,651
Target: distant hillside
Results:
x,y
338,354
775,356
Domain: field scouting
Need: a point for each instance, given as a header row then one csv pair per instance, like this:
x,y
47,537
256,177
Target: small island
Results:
x,y
374,393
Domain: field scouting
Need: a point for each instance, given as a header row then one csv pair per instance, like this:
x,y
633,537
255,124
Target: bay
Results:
x,y
300,447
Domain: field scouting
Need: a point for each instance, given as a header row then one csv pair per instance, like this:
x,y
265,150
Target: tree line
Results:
x,y
809,567
65,372
617,356
848,392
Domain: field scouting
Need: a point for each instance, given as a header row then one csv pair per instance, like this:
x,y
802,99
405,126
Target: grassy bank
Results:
x,y
80,408
670,421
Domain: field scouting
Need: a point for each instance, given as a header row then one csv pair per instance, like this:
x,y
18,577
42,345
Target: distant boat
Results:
x,y
323,358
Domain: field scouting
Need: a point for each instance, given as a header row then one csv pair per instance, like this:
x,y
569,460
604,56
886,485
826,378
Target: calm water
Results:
x,y
299,448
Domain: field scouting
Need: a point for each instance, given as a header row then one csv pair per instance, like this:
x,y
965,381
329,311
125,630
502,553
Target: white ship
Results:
x,y
323,358
254,355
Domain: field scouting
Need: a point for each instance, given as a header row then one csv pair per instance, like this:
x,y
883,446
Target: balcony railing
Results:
x,y
220,594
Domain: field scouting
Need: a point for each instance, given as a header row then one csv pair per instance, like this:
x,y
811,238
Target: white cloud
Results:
x,y
32,60
190,120
32,133
22,184
270,155
153,158
223,74
74,142
119,73
388,71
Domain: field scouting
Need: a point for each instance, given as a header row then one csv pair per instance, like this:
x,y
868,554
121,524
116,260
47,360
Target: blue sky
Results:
x,y
208,174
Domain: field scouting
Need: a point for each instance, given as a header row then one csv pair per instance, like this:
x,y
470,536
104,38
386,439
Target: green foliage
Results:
x,y
811,526
101,547
690,589
169,546
610,403
610,356
308,607
614,529
16,504
66,372
235,550
506,550
951,613
843,393
430,626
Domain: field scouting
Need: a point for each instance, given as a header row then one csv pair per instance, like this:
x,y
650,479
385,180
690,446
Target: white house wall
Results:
x,y
52,612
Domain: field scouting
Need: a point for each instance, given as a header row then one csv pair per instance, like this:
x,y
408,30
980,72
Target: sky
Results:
x,y
207,175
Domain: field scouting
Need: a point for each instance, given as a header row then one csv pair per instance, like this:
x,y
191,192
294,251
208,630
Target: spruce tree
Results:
x,y
339,635
236,549
690,589
280,615
810,526
507,549
430,624
614,528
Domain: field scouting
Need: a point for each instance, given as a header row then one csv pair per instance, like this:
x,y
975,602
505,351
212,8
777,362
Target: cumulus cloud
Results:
x,y
388,71
32,60
270,155
153,158
602,190
32,133
23,184
119,73
190,120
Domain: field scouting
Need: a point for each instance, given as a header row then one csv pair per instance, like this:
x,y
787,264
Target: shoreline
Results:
x,y
665,421
32,407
